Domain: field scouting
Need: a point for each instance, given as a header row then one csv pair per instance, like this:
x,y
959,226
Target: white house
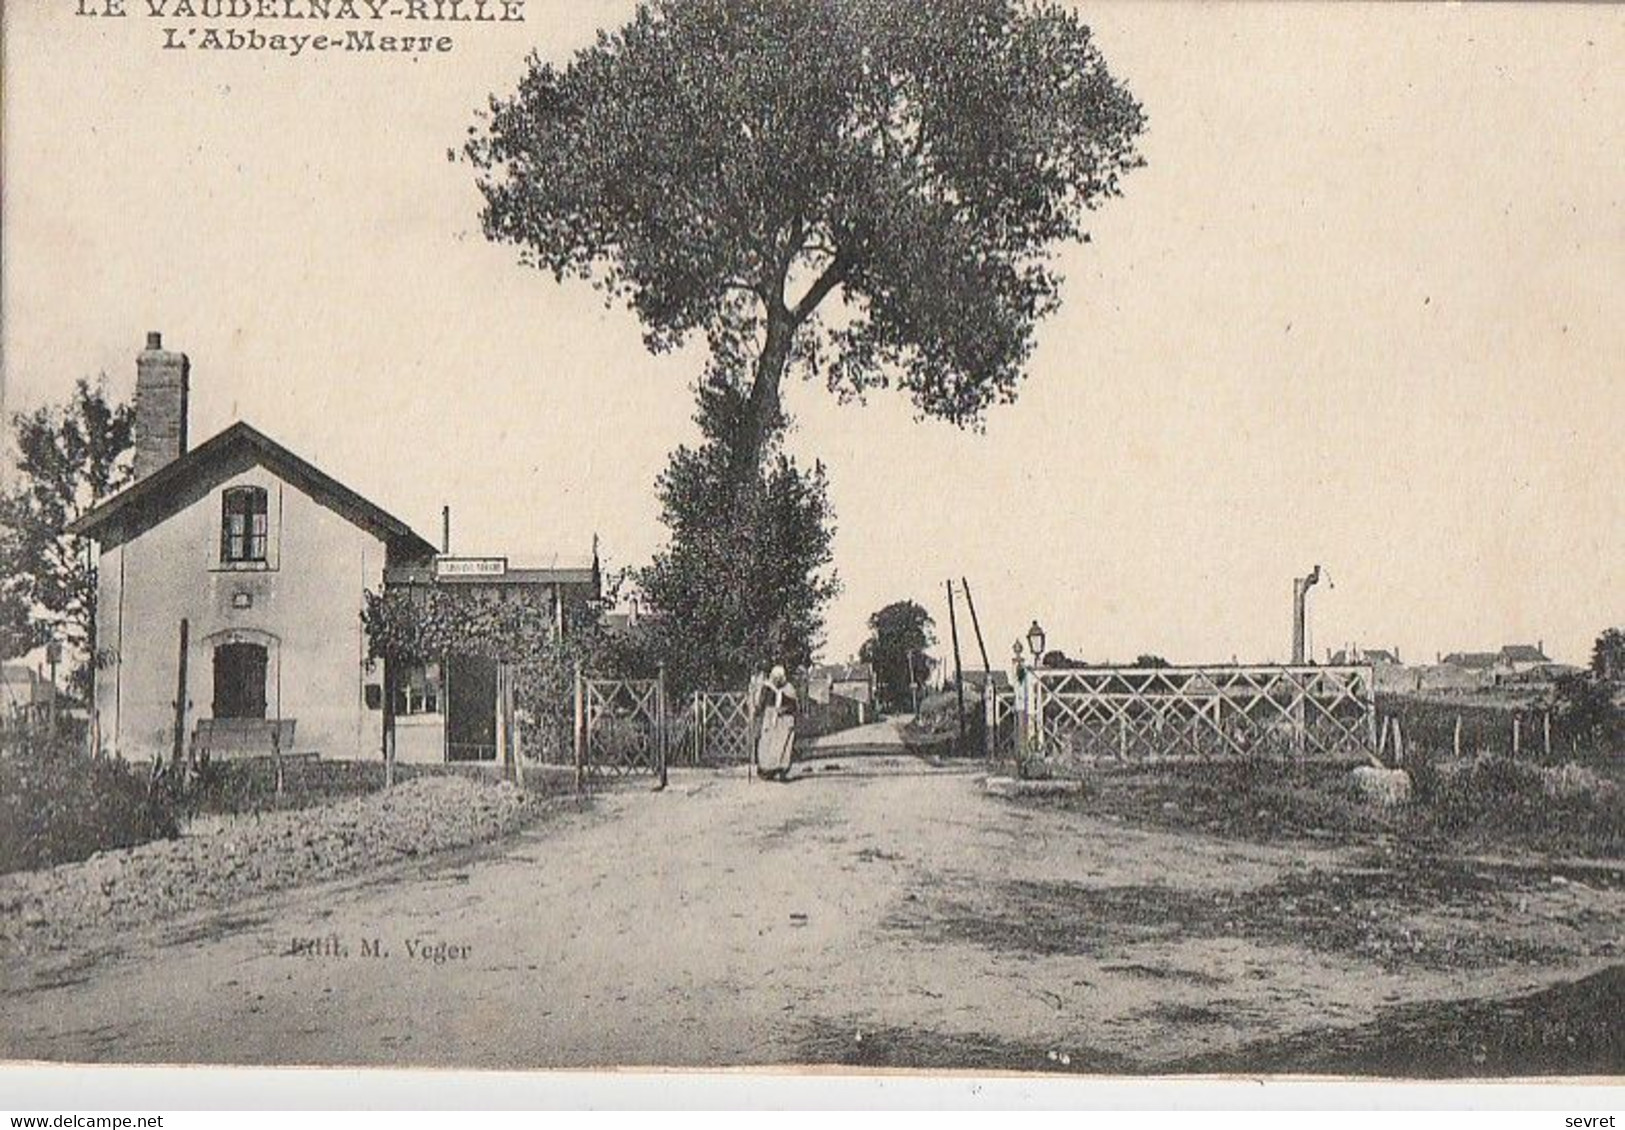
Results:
x,y
231,584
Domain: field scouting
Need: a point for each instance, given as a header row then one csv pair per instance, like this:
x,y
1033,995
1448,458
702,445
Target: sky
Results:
x,y
1362,308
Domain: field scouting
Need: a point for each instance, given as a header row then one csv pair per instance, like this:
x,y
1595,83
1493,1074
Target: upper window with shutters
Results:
x,y
244,527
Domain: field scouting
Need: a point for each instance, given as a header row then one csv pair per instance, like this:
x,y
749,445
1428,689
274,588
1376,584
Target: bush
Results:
x,y
1566,808
58,805
937,721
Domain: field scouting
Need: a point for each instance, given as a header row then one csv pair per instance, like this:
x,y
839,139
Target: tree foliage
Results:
x,y
1585,710
69,458
1608,656
744,578
898,637
726,166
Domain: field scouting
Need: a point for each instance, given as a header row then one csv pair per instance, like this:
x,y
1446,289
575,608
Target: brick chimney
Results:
x,y
162,383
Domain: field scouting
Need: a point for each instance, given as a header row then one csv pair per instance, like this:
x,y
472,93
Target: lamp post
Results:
x,y
1027,696
1018,745
1035,644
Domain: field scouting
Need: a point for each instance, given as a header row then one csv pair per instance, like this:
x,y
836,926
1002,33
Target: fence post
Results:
x,y
989,708
579,735
696,738
1023,736
276,752
1517,734
753,690
180,698
510,739
660,722
1546,724
1370,697
1455,742
389,720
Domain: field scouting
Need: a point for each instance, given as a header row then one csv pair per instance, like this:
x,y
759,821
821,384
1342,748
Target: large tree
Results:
x,y
744,578
69,458
866,191
898,636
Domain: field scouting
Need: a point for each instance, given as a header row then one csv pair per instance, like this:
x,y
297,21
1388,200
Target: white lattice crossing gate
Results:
x,y
1142,713
620,727
720,728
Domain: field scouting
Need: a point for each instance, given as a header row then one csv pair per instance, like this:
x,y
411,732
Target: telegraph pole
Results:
x,y
976,623
959,671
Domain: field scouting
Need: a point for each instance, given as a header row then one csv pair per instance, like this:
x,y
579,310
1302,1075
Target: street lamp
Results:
x,y
1035,643
1026,693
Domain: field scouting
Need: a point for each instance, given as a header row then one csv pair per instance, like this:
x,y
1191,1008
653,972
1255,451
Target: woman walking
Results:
x,y
775,706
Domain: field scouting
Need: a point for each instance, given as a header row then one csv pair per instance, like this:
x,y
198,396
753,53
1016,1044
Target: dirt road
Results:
x,y
893,915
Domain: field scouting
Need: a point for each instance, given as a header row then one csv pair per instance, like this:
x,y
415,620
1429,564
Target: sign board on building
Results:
x,y
470,566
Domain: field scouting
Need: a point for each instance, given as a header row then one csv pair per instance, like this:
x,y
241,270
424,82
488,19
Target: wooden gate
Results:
x,y
620,728
720,728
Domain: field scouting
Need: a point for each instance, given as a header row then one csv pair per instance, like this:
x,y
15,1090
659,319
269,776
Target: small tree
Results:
x,y
69,458
1608,656
868,191
744,579
1585,710
1152,661
898,636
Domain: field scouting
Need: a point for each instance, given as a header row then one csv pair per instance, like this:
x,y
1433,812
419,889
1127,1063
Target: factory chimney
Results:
x,y
162,385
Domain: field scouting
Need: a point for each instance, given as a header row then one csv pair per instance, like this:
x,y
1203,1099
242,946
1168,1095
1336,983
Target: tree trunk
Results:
x,y
765,414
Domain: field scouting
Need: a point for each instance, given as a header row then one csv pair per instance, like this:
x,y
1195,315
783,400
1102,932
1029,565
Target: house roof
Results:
x,y
183,481
1523,653
1471,659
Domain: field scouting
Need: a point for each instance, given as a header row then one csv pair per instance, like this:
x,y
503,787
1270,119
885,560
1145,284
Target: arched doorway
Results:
x,y
239,680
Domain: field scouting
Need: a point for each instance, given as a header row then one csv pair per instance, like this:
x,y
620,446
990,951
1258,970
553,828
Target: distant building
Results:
x,y
1476,670
1356,656
855,681
1518,658
629,619
977,681
1471,660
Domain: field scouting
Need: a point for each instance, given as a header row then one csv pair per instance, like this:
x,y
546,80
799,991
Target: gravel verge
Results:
x,y
225,859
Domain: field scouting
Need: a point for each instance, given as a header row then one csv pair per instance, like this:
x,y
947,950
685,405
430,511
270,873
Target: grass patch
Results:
x,y
1576,1028
59,805
1490,803
1365,913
